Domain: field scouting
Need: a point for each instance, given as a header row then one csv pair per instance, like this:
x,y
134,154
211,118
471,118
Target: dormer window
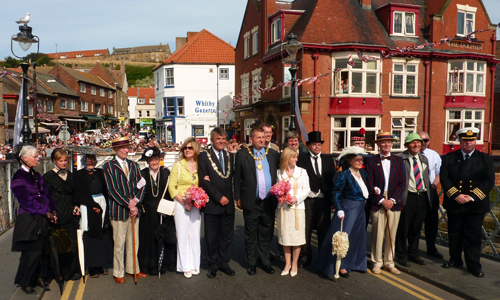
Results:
x,y
465,19
276,31
403,23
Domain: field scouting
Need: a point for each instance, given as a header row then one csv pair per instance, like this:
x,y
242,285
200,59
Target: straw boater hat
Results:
x,y
384,136
468,133
121,141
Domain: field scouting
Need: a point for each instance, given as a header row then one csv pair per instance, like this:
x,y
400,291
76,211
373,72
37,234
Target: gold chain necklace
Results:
x,y
291,177
259,165
152,189
216,169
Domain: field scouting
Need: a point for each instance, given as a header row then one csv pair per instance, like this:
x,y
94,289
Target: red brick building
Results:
x,y
96,96
438,89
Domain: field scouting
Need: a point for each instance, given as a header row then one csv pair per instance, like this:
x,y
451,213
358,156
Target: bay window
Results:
x,y
457,118
344,126
466,77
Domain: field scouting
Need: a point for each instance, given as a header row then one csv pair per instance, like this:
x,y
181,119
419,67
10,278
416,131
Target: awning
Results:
x,y
113,119
40,130
92,118
76,120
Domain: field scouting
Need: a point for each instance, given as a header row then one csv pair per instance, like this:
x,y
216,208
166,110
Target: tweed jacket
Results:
x,y
376,178
425,173
121,190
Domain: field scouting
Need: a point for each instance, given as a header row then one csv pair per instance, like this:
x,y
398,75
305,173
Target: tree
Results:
x,y
135,73
11,62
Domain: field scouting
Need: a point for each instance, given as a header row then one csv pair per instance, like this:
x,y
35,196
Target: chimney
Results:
x,y
179,42
73,66
122,67
191,34
367,4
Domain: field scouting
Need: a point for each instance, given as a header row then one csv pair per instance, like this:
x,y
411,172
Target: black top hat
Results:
x,y
151,152
314,137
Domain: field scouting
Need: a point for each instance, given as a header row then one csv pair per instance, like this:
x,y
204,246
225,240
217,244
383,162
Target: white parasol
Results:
x,y
81,252
340,246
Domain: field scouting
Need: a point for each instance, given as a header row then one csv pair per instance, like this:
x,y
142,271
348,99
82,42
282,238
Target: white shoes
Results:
x,y
187,274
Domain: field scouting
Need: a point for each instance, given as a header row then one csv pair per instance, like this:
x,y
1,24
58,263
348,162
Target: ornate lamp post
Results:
x,y
25,39
292,47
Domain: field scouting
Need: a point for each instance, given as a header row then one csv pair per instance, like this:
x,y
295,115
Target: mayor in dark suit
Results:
x,y
416,199
467,176
320,169
215,170
254,175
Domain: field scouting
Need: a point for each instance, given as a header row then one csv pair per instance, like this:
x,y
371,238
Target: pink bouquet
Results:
x,y
197,196
281,190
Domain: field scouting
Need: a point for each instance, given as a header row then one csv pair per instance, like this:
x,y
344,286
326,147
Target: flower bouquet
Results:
x,y
281,190
196,196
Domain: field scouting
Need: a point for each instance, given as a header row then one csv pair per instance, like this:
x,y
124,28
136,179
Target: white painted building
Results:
x,y
188,86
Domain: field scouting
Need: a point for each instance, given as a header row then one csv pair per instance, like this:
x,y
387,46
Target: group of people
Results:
x,y
116,207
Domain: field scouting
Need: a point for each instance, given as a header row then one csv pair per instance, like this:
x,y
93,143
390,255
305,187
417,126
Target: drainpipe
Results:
x,y
426,94
492,89
315,57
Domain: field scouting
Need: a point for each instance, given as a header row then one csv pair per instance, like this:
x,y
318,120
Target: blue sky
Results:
x,y
92,24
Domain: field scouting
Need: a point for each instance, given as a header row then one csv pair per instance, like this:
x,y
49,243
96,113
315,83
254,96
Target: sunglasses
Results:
x,y
425,140
188,148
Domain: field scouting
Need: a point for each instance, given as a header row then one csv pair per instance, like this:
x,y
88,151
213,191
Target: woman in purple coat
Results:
x,y
36,210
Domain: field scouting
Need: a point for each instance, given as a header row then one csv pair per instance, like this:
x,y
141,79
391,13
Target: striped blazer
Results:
x,y
120,190
397,181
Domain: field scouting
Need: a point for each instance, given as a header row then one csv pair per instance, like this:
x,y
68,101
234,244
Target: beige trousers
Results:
x,y
122,235
379,231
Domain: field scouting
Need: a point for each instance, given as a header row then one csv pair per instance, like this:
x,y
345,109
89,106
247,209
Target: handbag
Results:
x,y
165,206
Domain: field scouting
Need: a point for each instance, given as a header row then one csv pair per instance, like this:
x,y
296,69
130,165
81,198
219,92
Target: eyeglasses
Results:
x,y
425,140
189,148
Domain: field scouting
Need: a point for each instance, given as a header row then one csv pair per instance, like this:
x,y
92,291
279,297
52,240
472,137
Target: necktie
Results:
x,y
221,161
416,173
125,169
261,181
466,157
316,167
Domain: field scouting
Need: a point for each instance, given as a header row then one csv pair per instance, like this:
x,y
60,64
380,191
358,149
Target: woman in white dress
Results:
x,y
292,219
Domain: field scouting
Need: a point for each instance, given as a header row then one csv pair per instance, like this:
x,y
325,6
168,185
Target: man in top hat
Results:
x,y
320,169
416,200
467,177
386,185
126,191
358,138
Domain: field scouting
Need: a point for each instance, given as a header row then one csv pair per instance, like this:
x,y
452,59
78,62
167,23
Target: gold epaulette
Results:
x,y
451,192
479,193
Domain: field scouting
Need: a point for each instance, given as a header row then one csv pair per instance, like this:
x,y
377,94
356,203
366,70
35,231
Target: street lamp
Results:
x,y
25,39
292,47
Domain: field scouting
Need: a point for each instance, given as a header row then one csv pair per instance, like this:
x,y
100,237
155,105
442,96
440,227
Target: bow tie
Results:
x,y
314,156
385,157
62,172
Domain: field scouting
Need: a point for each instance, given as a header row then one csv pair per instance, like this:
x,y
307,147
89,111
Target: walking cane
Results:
x,y
135,255
388,229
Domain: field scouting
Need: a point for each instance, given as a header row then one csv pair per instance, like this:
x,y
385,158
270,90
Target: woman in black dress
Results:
x,y
36,210
61,185
92,196
150,242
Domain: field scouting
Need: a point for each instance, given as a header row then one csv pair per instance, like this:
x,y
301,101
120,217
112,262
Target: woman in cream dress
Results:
x,y
292,219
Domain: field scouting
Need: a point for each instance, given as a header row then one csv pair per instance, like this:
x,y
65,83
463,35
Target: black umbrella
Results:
x,y
54,258
165,233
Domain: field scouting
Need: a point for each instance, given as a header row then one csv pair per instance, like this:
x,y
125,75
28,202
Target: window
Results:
x,y
103,109
102,93
141,101
224,74
256,81
147,113
405,79
284,129
169,77
276,31
466,77
402,124
403,23
92,107
246,45
63,103
457,118
287,90
84,105
248,127
93,90
157,80
174,106
98,109
30,110
110,94
139,113
82,88
465,19
344,126
197,130
71,104
245,85
362,78
151,100
255,43
110,109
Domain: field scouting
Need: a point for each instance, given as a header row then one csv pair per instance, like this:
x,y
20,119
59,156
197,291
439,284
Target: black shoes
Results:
x,y
435,254
44,285
29,290
403,262
251,270
417,260
452,264
211,273
268,269
345,275
228,271
477,273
